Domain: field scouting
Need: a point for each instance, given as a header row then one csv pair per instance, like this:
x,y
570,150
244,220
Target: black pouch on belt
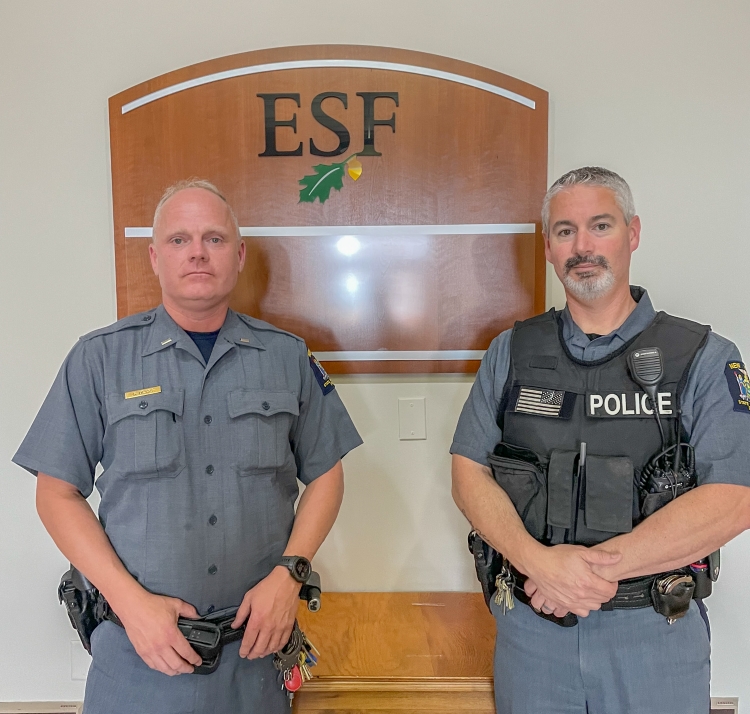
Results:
x,y
671,595
205,639
208,635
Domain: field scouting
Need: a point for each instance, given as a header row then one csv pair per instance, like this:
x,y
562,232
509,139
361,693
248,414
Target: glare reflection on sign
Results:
x,y
348,245
351,283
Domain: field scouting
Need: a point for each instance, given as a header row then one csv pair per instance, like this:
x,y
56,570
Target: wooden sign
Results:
x,y
389,199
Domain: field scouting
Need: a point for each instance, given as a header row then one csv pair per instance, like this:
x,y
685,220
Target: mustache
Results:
x,y
577,260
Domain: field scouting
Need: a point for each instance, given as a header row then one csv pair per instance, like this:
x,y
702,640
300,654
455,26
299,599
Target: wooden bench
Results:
x,y
399,652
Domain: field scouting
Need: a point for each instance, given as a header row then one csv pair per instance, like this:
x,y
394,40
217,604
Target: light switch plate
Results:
x,y
411,419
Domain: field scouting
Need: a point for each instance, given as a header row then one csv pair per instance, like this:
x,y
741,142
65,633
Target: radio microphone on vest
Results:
x,y
647,370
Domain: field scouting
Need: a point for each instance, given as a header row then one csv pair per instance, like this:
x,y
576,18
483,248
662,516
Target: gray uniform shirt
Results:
x,y
200,460
718,427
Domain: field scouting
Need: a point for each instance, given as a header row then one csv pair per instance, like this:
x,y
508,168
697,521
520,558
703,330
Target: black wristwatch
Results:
x,y
298,566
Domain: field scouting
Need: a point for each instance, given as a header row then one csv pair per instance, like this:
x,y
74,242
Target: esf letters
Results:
x,y
628,404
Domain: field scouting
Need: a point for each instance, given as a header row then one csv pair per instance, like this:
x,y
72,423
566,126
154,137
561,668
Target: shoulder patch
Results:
x,y
326,385
739,386
140,319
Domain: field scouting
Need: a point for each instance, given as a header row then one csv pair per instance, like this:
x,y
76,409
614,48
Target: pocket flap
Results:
x,y
609,494
118,407
261,402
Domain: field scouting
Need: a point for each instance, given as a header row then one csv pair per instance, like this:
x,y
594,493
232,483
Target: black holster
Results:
x,y
488,564
84,604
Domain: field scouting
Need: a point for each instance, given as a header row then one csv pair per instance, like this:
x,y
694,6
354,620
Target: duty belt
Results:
x,y
632,594
87,608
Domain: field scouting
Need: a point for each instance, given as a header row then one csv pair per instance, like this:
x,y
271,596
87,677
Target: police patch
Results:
x,y
321,375
739,386
629,404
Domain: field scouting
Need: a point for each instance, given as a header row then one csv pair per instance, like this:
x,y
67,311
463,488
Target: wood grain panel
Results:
x,y
459,155
400,652
402,635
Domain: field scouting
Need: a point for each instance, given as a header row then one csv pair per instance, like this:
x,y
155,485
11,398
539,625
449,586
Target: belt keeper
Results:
x,y
608,606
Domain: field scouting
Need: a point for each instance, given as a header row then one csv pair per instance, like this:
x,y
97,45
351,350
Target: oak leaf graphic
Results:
x,y
326,178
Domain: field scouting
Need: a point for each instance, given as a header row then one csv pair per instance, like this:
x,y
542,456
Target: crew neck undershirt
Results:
x,y
204,341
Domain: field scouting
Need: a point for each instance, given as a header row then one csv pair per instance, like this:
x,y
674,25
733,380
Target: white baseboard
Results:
x,y
41,707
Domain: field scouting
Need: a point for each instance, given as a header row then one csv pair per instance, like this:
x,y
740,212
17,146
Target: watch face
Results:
x,y
302,569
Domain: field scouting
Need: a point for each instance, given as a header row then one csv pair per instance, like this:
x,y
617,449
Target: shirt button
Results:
x,y
212,570
207,419
211,608
213,520
266,406
143,405
147,318
209,469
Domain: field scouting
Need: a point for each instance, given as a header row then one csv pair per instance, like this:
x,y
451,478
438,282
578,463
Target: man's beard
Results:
x,y
589,285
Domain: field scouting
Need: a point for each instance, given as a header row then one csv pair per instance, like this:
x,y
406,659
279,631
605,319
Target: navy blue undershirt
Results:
x,y
205,342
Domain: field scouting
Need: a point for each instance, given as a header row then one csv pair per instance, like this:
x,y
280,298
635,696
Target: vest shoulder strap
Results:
x,y
680,341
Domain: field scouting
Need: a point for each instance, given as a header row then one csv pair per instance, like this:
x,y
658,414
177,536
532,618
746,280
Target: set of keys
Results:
x,y
294,661
505,582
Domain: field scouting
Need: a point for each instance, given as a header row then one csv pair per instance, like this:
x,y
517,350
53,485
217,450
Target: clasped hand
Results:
x,y
151,624
562,579
269,608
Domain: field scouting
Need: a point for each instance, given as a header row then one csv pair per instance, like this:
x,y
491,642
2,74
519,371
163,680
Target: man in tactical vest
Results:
x,y
602,459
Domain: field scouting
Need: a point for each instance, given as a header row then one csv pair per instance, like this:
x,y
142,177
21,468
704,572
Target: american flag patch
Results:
x,y
544,402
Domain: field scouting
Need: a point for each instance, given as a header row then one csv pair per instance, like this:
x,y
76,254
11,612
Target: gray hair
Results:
x,y
195,183
591,176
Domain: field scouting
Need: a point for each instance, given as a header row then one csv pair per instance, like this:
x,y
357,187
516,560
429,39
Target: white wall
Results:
x,y
657,91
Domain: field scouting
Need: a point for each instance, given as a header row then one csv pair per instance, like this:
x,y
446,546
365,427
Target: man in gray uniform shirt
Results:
x,y
571,526
203,420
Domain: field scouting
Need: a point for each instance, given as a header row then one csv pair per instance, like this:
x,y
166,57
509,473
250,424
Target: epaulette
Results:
x,y
256,324
140,319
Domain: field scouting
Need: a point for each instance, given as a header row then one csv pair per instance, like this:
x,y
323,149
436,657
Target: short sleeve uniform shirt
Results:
x,y
200,461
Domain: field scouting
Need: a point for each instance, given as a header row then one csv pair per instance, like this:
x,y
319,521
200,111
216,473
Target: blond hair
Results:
x,y
195,183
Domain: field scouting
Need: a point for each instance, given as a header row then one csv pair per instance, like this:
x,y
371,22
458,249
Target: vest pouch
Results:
x,y
609,494
652,502
525,485
560,501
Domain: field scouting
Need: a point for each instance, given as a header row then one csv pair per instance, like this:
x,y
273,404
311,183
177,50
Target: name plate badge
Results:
x,y
142,392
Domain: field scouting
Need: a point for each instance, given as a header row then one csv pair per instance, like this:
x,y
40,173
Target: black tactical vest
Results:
x,y
552,402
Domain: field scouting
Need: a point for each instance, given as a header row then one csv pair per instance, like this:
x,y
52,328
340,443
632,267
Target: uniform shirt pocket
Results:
x,y
261,422
146,434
